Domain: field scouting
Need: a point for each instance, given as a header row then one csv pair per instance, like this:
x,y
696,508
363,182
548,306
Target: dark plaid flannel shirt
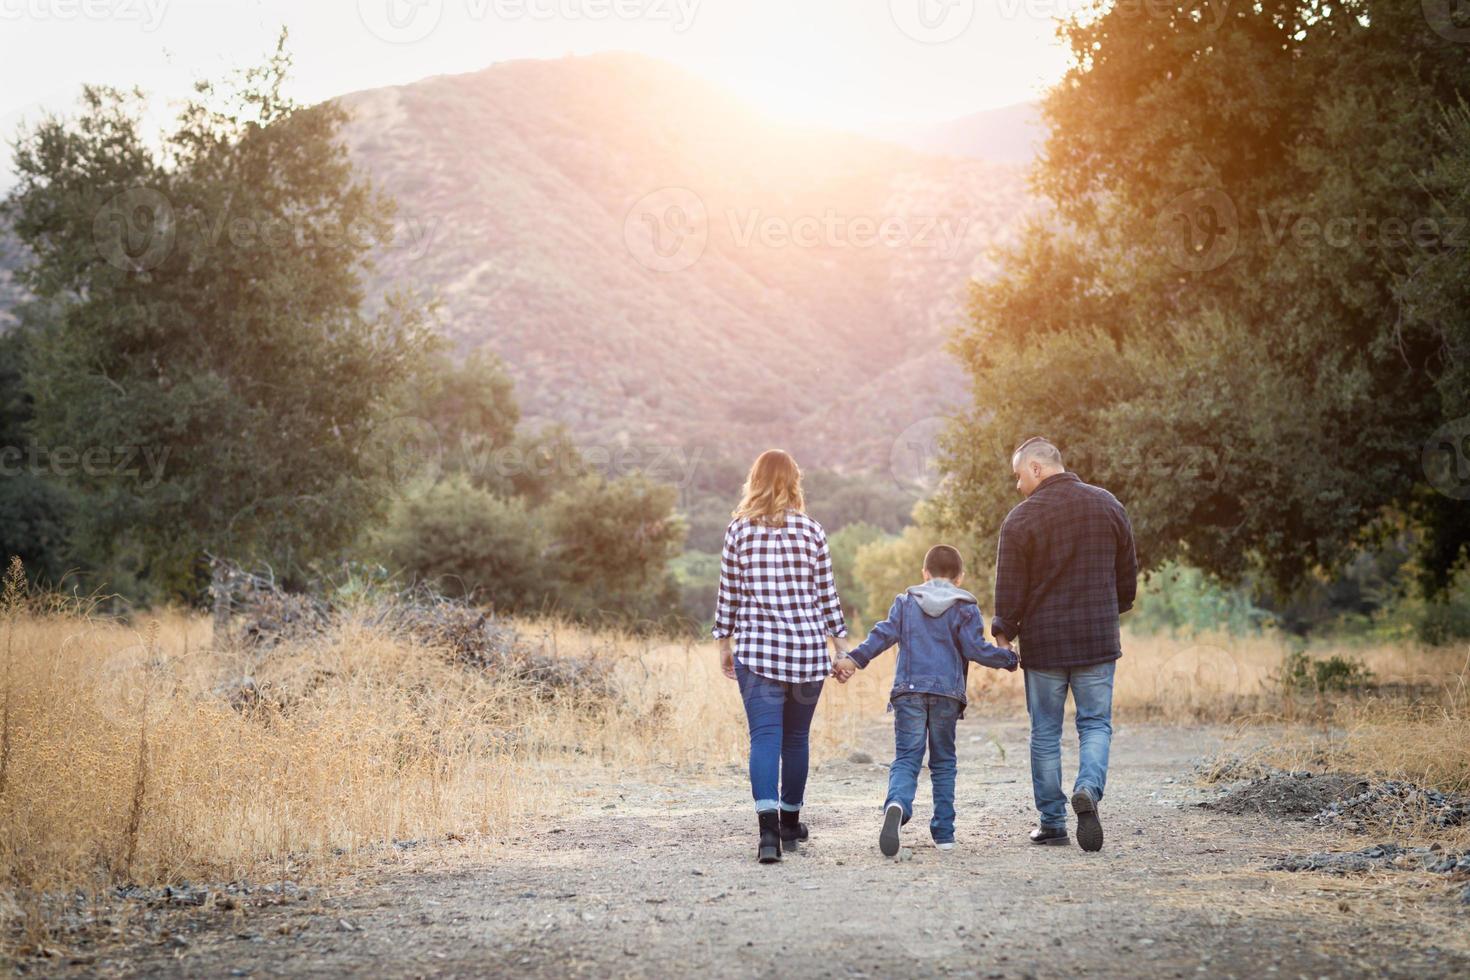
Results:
x,y
1065,570
778,598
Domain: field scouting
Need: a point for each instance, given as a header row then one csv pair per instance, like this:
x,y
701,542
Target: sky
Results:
x,y
854,64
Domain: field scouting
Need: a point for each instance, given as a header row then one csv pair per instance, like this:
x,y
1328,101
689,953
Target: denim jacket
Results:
x,y
939,629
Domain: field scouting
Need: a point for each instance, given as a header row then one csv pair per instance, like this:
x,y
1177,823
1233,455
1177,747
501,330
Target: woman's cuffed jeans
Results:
x,y
780,717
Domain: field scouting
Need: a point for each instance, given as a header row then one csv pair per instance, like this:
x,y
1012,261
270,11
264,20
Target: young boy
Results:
x,y
939,628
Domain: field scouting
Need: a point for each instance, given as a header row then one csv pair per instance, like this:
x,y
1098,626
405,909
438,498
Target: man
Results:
x,y
1065,570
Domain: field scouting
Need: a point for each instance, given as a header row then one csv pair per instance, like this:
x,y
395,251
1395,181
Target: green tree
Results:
x,y
844,546
33,510
890,564
470,402
466,541
208,307
1435,291
612,541
1208,321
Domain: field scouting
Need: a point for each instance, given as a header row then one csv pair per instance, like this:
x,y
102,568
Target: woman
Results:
x,y
777,606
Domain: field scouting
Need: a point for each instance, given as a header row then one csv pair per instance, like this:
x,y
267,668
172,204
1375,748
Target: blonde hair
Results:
x,y
772,487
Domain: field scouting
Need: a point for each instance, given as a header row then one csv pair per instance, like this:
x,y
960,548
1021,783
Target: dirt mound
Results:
x,y
264,616
1380,857
1393,802
1293,795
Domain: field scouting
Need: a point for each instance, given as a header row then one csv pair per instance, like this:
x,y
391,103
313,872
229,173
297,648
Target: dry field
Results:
x,y
138,753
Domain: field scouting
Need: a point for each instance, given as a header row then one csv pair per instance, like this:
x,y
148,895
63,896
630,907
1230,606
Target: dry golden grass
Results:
x,y
130,754
126,764
1422,740
126,754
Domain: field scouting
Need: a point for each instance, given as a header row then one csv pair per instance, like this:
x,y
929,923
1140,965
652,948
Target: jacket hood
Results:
x,y
937,595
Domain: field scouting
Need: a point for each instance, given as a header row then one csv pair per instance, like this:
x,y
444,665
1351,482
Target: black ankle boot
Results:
x,y
792,829
770,846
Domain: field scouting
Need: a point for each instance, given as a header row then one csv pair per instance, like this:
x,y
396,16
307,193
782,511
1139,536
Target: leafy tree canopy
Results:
x,y
201,302
1245,313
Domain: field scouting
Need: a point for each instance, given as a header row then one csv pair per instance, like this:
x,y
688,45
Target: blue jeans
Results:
x,y
780,717
920,719
1046,702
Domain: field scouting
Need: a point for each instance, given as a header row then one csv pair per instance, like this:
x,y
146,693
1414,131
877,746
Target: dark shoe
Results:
x,y
770,846
792,829
1089,828
1049,835
888,838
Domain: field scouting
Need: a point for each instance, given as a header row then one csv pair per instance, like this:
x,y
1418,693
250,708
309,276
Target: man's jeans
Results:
x,y
919,719
780,717
1046,702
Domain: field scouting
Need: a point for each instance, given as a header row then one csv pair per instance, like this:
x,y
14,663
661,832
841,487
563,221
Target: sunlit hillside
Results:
x,y
809,277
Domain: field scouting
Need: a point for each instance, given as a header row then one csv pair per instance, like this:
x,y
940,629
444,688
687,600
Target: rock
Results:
x,y
346,926
1465,895
860,758
1380,857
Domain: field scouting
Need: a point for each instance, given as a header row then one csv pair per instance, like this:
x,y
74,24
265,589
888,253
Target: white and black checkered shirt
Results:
x,y
778,598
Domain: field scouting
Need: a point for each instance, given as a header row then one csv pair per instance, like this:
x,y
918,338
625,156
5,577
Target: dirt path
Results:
x,y
656,880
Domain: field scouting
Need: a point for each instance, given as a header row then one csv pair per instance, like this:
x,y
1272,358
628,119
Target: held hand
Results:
x,y
1002,641
727,659
844,669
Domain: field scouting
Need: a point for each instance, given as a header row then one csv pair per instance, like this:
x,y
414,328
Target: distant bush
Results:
x,y
1179,599
888,565
697,574
845,545
597,549
1335,674
1447,618
838,500
611,544
468,542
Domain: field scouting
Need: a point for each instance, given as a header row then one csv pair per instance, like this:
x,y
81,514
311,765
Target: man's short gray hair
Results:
x,y
1038,449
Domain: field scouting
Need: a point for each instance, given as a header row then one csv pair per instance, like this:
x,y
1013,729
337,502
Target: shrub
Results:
x,y
1335,674
611,544
468,542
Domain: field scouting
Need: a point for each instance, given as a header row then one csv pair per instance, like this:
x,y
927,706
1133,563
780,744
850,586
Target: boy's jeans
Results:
x,y
919,719
1046,701
780,717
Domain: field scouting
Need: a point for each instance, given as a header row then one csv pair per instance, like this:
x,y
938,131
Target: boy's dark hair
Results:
x,y
942,561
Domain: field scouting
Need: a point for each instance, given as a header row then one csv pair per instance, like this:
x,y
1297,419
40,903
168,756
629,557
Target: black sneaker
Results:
x,y
1049,835
1089,828
888,838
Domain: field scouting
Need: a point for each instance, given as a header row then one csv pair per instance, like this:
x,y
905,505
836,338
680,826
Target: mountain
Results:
x,y
1013,134
657,262
660,265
